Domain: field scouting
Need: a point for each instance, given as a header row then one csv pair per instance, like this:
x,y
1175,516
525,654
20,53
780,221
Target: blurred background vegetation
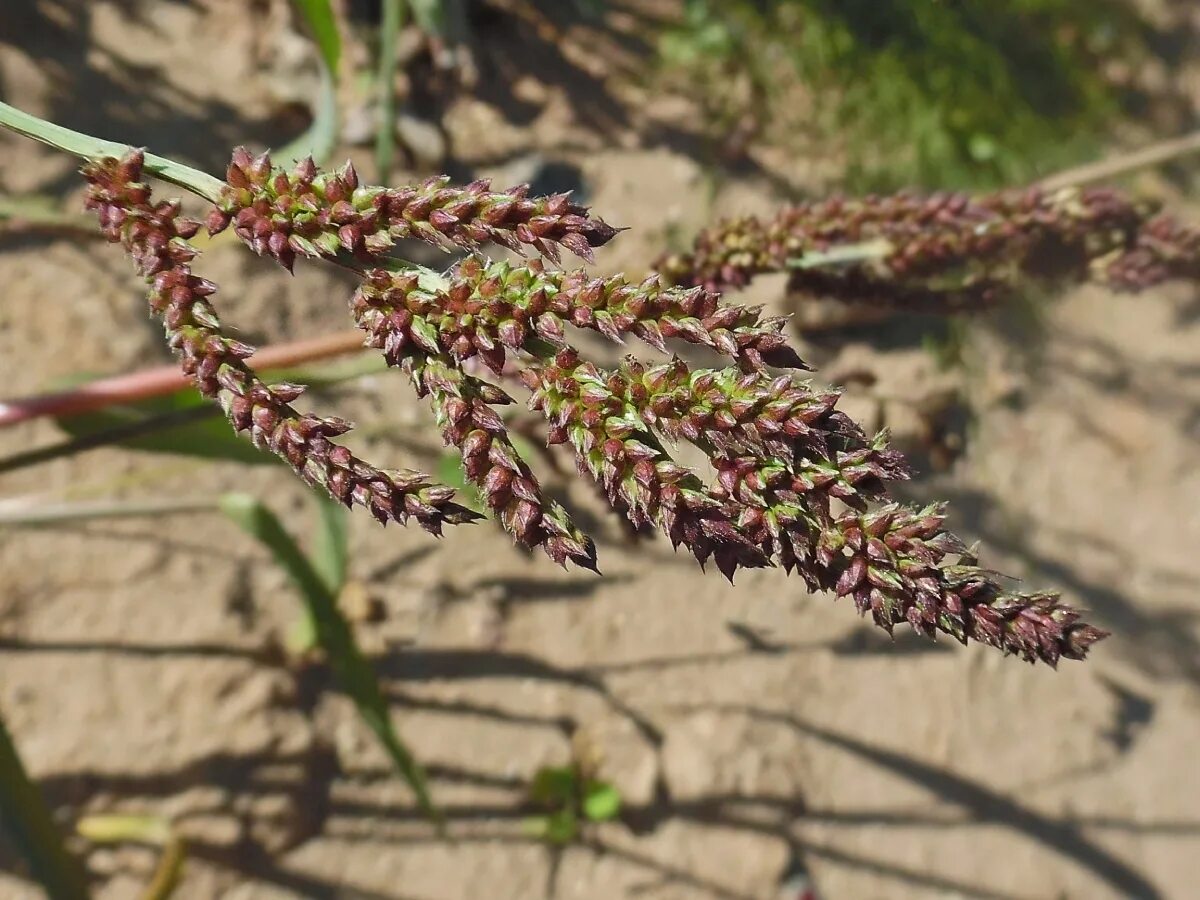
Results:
x,y
920,92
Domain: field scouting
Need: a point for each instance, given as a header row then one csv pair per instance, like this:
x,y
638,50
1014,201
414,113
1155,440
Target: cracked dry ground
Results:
x,y
745,726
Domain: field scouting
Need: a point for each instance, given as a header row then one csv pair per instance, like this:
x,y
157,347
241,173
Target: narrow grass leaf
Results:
x,y
30,514
183,423
320,138
430,15
119,829
154,830
350,667
26,819
118,435
33,211
318,16
330,548
385,135
169,873
88,147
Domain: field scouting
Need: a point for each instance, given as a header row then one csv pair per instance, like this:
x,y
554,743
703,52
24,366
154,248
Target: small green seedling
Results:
x,y
572,798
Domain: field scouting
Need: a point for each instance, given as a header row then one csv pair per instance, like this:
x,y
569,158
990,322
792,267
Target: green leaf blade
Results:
x,y
27,820
385,135
601,801
331,543
351,668
182,423
318,16
320,138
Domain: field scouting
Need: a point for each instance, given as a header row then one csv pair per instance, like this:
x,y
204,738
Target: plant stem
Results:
x,y
39,213
73,446
169,872
28,821
385,134
1124,163
91,148
846,255
80,512
164,380
146,423
153,830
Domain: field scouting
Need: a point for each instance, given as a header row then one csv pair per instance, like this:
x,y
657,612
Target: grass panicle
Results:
x,y
946,251
798,484
156,238
312,213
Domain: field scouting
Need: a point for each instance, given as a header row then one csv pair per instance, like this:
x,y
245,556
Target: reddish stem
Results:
x,y
166,380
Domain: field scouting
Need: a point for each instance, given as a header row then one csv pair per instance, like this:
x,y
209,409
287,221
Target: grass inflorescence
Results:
x,y
798,483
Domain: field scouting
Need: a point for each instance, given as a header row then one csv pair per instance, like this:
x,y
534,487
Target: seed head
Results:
x,y
796,482
492,310
947,251
155,237
312,213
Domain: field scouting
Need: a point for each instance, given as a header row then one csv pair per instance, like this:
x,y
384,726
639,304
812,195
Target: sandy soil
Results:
x,y
752,729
